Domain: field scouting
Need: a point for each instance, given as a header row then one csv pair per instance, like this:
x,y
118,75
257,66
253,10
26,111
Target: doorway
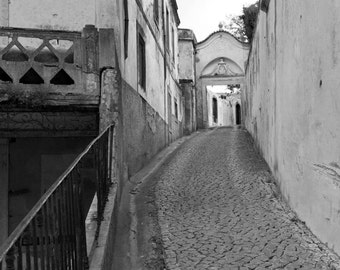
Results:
x,y
215,110
238,114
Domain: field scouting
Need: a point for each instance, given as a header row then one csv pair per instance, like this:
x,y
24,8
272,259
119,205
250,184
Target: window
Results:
x,y
141,62
126,29
176,109
173,43
167,29
156,11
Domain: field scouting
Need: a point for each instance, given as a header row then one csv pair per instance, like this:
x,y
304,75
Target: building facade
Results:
x,y
70,72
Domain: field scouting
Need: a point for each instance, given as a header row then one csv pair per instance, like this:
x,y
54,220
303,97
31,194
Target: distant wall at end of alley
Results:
x,y
291,107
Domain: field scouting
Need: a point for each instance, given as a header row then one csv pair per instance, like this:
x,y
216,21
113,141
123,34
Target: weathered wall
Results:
x,y
144,129
58,15
186,51
189,92
291,107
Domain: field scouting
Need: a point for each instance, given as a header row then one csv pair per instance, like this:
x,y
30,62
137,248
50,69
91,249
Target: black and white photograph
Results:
x,y
169,134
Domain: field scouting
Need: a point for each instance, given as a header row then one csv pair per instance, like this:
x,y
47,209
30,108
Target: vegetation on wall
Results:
x,y
242,26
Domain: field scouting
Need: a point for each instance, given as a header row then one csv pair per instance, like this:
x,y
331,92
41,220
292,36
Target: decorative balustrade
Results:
x,y
59,66
52,235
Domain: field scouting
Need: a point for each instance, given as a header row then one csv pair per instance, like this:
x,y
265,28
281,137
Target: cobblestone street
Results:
x,y
218,208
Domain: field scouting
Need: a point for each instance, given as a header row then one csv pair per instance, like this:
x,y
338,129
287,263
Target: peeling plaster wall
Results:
x,y
144,129
291,104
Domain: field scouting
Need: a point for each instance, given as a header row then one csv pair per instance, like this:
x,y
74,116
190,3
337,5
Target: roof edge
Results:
x,y
223,31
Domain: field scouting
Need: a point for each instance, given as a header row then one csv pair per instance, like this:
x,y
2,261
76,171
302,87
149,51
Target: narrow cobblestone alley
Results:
x,y
218,208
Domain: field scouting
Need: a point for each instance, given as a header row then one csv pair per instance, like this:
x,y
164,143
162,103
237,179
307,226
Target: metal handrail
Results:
x,y
105,150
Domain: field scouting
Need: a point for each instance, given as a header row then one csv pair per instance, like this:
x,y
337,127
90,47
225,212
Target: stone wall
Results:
x,y
291,105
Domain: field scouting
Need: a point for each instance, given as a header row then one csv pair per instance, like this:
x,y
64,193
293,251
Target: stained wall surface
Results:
x,y
291,105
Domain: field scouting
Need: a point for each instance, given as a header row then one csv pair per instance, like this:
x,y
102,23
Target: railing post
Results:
x,y
90,45
90,59
10,259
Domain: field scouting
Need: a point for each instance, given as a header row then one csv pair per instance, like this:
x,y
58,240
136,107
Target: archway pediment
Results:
x,y
222,67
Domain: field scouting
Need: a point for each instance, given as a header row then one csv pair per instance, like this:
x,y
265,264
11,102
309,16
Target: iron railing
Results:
x,y
52,235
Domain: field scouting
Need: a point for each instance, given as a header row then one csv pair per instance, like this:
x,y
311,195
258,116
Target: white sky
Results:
x,y
203,16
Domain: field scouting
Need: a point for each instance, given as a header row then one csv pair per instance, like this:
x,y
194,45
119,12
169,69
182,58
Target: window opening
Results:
x,y
126,29
176,109
156,11
141,62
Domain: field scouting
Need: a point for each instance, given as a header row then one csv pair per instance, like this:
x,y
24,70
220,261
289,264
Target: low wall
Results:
x,y
291,107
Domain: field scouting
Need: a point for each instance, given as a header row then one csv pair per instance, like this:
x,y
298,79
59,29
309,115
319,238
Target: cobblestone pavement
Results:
x,y
218,209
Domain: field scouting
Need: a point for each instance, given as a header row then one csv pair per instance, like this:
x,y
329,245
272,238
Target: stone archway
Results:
x,y
219,61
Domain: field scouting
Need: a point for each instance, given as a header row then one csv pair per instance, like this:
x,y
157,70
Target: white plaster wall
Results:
x,y
186,60
156,82
50,14
292,107
219,45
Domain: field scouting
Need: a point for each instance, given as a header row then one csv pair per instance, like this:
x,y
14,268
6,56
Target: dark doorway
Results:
x,y
215,112
238,114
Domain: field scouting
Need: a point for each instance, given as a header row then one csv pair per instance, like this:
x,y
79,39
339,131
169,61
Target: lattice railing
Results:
x,y
50,61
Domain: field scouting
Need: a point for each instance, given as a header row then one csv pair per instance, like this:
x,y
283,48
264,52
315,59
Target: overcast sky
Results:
x,y
203,16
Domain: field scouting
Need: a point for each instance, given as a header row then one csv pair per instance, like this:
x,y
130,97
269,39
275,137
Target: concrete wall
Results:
x,y
58,15
187,51
291,104
144,130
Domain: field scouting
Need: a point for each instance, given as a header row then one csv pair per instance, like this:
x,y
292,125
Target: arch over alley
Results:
x,y
220,62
